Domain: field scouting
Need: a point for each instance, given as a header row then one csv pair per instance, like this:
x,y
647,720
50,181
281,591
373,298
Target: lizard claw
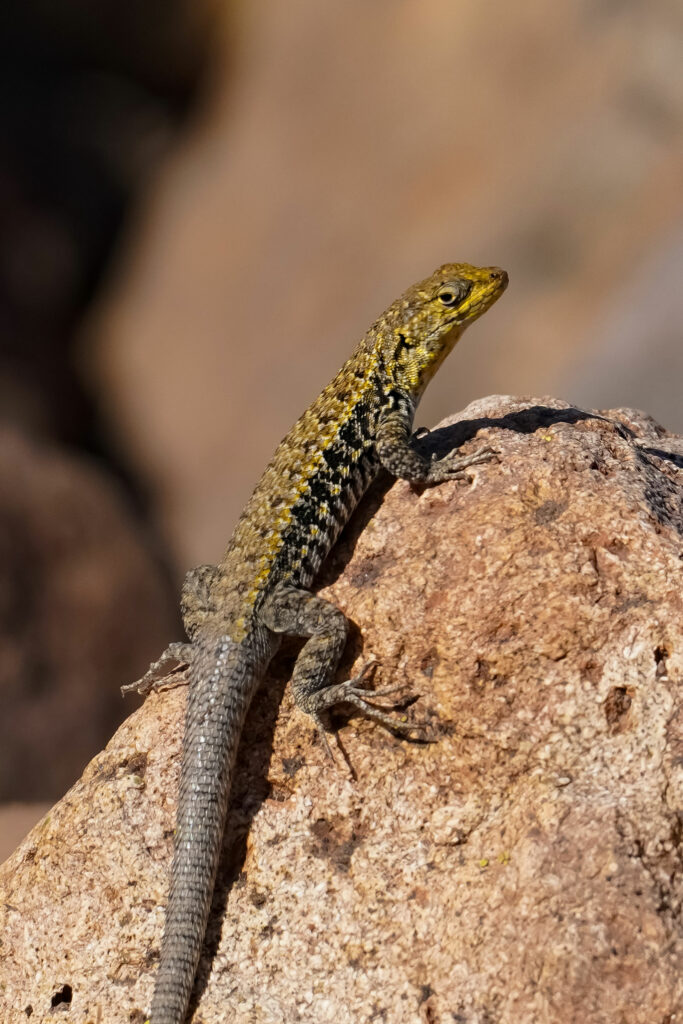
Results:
x,y
451,466
353,692
322,733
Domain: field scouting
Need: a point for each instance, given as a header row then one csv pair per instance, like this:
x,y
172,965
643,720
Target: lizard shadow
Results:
x,y
533,418
661,494
523,421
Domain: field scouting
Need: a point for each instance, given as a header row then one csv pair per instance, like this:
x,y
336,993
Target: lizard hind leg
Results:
x,y
196,604
295,612
353,691
163,673
197,600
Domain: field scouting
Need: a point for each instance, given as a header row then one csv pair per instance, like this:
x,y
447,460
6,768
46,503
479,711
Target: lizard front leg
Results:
x,y
395,446
293,611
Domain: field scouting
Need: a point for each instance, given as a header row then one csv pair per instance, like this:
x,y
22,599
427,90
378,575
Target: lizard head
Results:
x,y
420,329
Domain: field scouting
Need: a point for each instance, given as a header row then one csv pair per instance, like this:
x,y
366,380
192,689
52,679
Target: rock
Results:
x,y
16,820
83,604
524,867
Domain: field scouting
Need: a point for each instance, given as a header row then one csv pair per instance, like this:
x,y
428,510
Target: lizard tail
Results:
x,y
222,681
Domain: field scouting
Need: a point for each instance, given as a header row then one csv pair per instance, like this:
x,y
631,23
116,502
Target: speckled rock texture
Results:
x,y
525,867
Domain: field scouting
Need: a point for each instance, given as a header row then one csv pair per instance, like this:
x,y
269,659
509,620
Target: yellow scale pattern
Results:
x,y
402,350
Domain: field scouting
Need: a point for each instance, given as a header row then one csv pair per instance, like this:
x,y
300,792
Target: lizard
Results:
x,y
235,613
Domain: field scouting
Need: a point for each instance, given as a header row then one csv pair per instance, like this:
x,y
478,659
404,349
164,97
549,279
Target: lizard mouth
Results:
x,y
483,300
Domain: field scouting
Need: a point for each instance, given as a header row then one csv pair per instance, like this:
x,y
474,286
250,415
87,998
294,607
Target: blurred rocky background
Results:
x,y
203,206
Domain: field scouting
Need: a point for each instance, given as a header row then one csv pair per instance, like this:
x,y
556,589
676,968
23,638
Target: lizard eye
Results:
x,y
453,294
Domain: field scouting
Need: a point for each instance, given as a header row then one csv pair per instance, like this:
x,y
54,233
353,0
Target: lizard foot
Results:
x,y
160,674
452,466
354,692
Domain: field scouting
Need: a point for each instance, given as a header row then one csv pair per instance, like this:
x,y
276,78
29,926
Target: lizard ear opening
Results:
x,y
402,346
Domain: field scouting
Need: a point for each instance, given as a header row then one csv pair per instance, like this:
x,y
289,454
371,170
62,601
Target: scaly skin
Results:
x,y
236,612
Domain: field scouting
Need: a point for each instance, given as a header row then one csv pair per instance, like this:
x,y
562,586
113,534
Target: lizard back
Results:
x,y
307,493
